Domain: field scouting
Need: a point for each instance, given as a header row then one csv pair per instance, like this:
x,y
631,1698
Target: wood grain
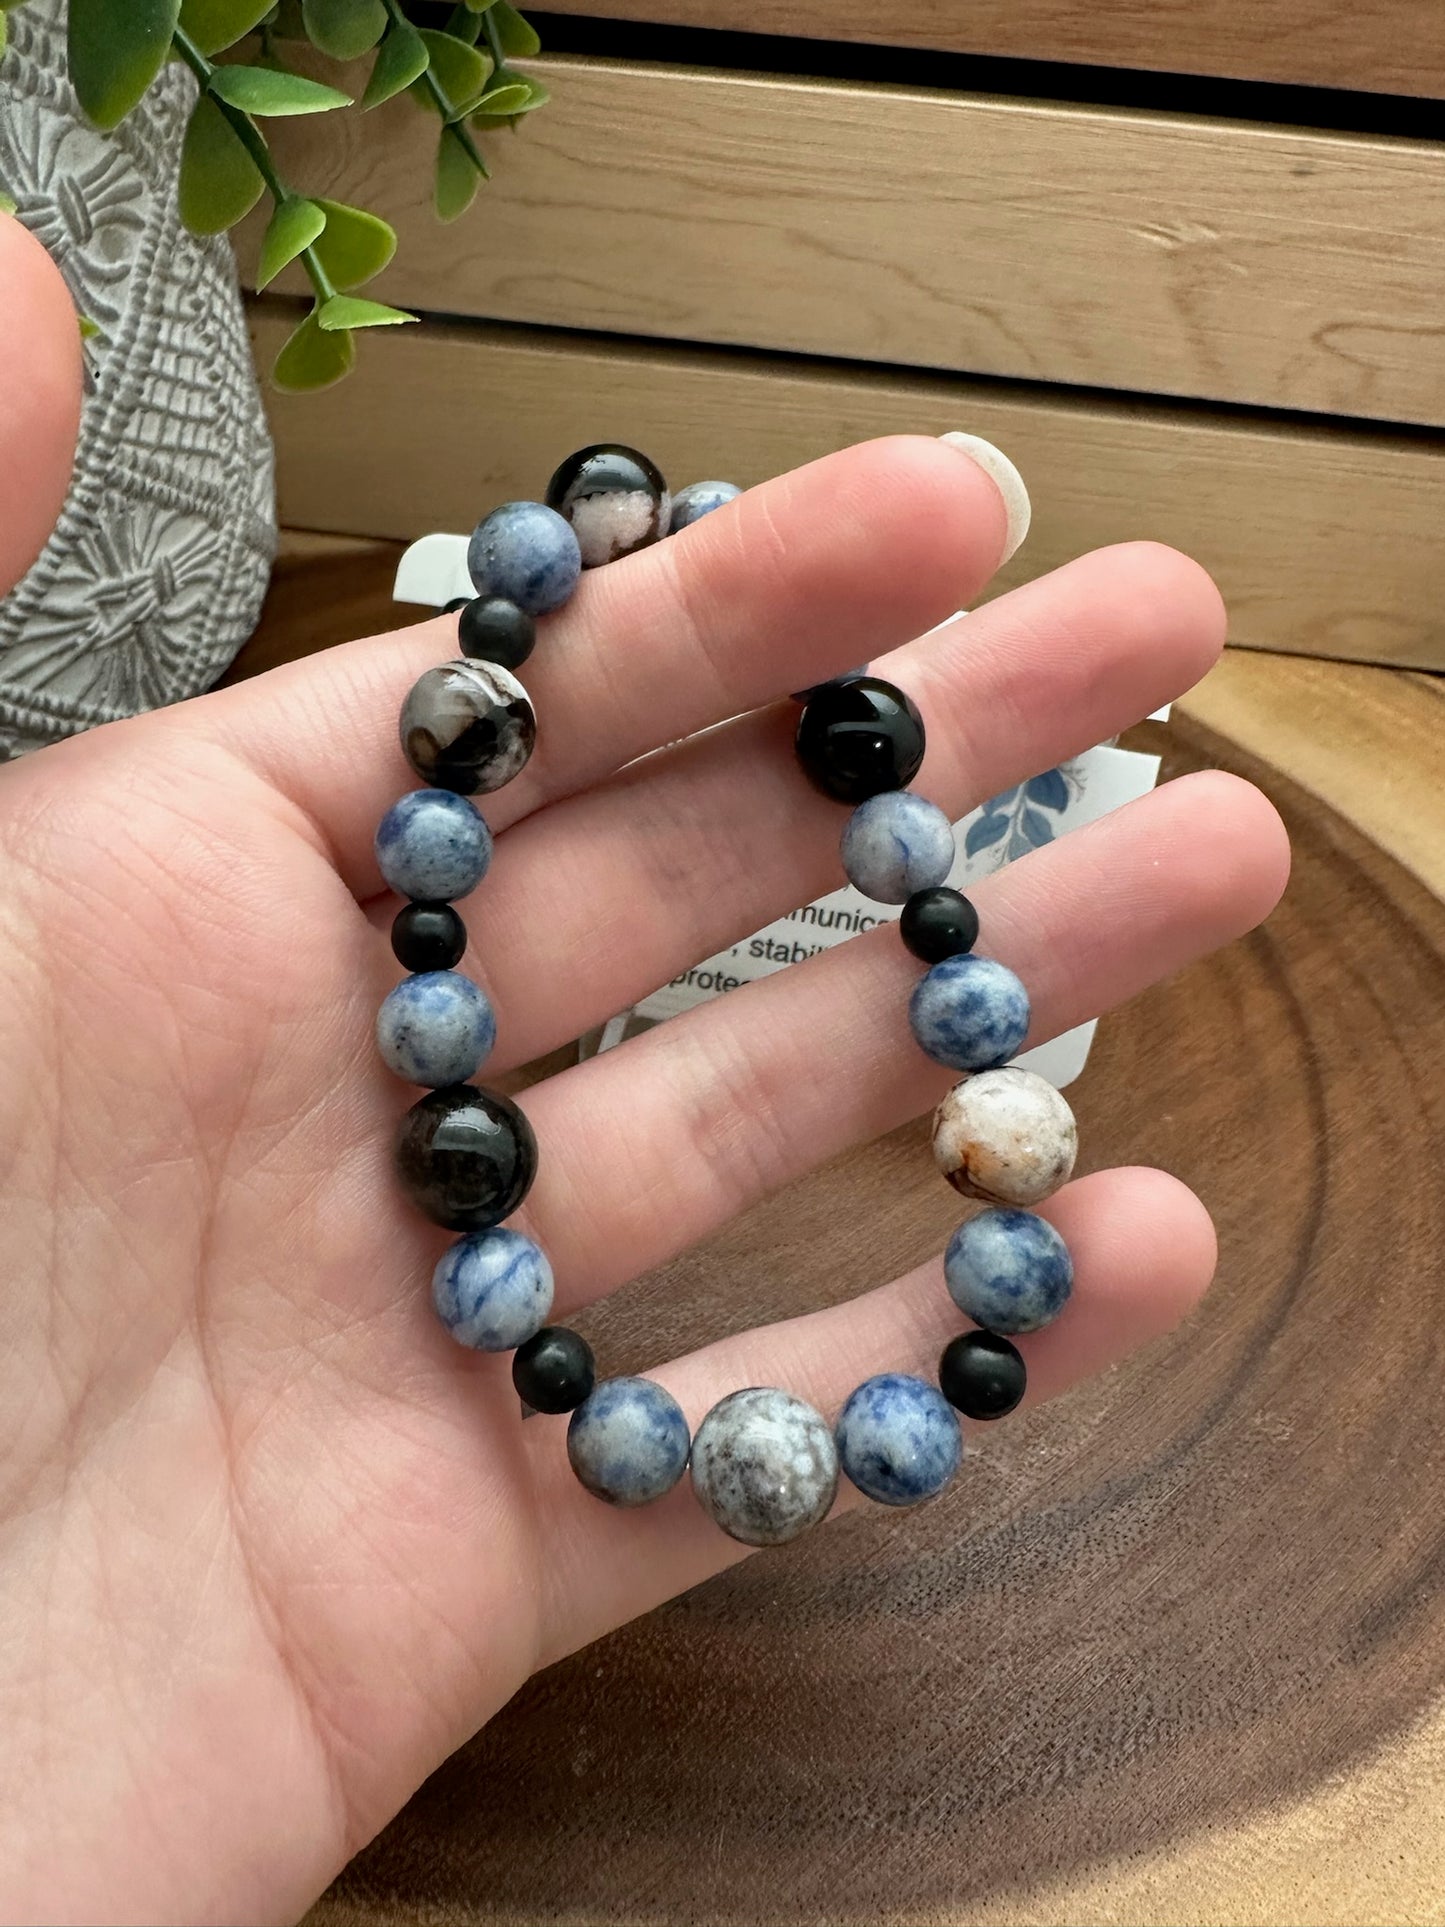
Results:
x,y
1391,46
1151,253
1324,541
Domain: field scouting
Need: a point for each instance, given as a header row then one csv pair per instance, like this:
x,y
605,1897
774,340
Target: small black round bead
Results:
x,y
938,923
428,936
554,1371
457,602
858,738
465,1157
982,1374
495,630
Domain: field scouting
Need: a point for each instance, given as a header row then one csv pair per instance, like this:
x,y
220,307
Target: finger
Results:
x,y
740,1096
691,850
39,399
798,579
1143,1251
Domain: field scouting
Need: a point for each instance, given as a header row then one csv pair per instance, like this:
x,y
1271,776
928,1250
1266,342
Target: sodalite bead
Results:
x,y
468,726
527,553
493,1291
615,499
969,1012
895,844
1008,1271
898,1439
435,1028
764,1466
433,846
1005,1136
628,1442
698,499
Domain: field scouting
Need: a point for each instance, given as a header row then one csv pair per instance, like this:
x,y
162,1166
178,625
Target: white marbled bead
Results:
x,y
1006,1136
764,1466
896,843
493,1290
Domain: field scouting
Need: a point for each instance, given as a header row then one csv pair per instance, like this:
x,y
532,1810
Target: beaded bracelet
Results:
x,y
765,1464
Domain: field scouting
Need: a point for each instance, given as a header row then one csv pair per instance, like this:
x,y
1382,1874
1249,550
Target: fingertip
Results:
x,y
40,403
1245,850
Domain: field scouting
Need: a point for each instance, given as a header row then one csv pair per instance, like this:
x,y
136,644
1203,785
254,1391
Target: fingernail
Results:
x,y
1006,479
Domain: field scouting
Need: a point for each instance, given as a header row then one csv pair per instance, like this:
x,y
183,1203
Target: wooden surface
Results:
x,y
1152,253
1393,46
1173,1651
1325,540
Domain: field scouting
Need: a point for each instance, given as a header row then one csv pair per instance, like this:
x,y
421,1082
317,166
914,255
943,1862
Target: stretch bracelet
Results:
x,y
765,1464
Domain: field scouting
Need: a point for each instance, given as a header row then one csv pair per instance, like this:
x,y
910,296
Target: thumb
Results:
x,y
40,380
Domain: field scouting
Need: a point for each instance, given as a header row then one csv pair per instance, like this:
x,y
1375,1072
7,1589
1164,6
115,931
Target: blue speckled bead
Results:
x,y
435,1028
527,553
895,844
698,499
493,1290
969,1012
898,1439
629,1441
1008,1271
433,845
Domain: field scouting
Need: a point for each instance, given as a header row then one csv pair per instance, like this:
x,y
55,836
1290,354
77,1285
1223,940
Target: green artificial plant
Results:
x,y
459,71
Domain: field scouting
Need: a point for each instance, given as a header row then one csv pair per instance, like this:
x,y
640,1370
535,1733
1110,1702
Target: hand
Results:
x,y
274,1544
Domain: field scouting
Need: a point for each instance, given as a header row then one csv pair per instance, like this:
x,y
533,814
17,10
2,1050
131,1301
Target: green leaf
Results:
x,y
457,178
459,70
7,206
290,231
503,102
116,51
401,59
219,180
351,311
267,91
89,329
518,37
4,36
345,29
354,246
289,23
313,358
217,24
464,24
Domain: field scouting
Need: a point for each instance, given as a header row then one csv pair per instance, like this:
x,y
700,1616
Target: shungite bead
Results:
x,y
492,629
764,1466
628,1442
970,1013
938,923
554,1371
896,844
858,738
435,1028
615,499
898,1440
982,1374
465,1157
428,936
1008,1271
527,553
493,1290
468,727
432,846
457,602
698,499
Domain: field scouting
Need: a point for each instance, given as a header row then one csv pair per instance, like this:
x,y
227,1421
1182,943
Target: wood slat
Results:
x,y
1325,542
1388,46
1160,254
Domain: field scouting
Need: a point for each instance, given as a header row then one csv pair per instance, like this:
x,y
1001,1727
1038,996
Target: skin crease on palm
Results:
x,y
273,1545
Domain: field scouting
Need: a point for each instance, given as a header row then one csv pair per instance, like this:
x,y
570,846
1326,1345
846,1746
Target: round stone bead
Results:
x,y
435,1028
895,844
982,1374
432,846
970,1013
859,737
428,936
898,1440
1008,1271
764,1466
493,1290
457,602
491,629
698,499
1005,1136
807,695
528,554
465,1157
615,499
554,1371
628,1442
468,726
938,923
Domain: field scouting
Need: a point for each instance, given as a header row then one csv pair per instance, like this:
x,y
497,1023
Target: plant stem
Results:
x,y
442,101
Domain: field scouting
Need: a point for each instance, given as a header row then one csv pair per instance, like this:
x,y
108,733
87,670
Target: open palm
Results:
x,y
273,1544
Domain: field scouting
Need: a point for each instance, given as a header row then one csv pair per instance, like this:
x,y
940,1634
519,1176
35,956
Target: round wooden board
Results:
x,y
1172,1649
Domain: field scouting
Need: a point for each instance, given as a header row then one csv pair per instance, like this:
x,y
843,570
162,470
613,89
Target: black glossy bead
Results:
x,y
428,936
554,1371
465,1157
938,923
982,1375
858,738
615,499
457,602
495,630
